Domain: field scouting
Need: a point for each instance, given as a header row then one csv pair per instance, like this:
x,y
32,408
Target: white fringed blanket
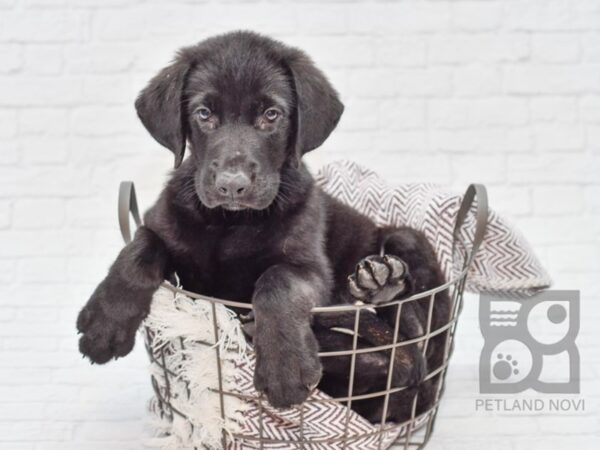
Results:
x,y
183,329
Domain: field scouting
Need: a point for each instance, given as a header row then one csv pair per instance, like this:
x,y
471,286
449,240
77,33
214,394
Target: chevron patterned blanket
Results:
x,y
505,259
180,335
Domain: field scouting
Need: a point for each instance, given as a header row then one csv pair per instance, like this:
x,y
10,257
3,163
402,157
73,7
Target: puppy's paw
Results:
x,y
379,279
106,336
285,374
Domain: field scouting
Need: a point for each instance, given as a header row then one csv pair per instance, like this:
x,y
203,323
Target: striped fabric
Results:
x,y
320,423
505,260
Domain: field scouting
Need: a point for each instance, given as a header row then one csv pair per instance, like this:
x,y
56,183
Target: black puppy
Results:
x,y
241,219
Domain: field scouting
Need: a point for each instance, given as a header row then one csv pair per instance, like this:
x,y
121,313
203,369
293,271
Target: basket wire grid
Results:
x,y
417,430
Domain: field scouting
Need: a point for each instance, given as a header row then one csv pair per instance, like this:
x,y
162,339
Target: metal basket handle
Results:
x,y
128,205
479,192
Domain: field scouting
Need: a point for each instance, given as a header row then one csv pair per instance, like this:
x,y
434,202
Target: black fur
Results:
x,y
241,219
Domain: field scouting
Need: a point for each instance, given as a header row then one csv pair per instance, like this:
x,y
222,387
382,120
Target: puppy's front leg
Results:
x,y
121,301
287,364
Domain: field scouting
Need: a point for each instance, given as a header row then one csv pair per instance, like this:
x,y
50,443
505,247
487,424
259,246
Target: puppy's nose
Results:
x,y
232,183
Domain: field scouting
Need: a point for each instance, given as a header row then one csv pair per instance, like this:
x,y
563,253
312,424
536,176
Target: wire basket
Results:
x,y
415,431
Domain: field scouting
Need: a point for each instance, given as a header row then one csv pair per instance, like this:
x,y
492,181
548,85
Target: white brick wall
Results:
x,y
502,92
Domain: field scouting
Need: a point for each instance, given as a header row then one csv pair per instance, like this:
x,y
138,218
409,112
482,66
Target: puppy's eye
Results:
x,y
203,113
271,114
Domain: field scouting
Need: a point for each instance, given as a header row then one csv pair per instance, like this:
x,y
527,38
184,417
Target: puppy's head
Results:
x,y
247,106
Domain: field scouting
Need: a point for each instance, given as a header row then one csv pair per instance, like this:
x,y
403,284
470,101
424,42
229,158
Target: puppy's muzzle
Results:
x,y
232,185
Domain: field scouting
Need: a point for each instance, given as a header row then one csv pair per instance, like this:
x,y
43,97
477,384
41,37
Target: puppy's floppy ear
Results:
x,y
318,106
159,107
